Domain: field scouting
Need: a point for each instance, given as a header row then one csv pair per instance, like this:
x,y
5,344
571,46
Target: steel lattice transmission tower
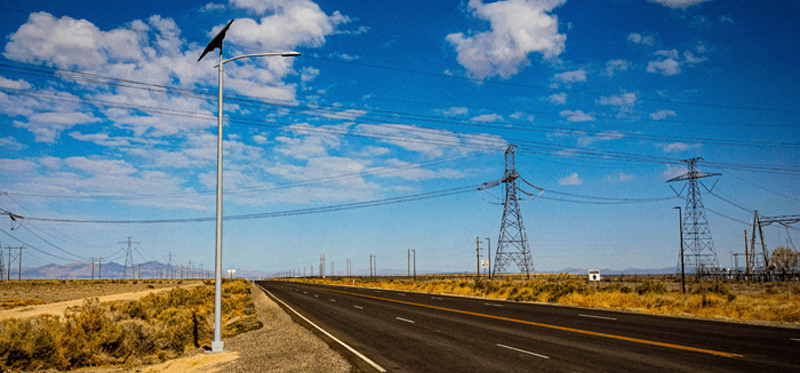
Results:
x,y
130,269
512,246
696,233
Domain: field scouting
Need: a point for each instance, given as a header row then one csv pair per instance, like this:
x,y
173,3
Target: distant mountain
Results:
x,y
155,269
112,270
615,272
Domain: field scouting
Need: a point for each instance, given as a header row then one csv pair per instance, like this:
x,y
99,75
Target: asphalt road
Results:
x,y
415,332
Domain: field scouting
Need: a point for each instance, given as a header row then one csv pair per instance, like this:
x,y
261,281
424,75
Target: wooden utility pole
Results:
x,y
478,255
747,257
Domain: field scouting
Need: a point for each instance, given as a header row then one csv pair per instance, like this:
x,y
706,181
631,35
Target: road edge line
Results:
x,y
360,355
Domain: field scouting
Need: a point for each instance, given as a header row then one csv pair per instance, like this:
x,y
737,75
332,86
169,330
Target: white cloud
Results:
x,y
10,143
725,19
616,65
522,116
673,54
576,116
622,100
308,142
308,74
691,59
558,98
289,24
662,114
48,126
673,171
261,140
667,67
675,4
212,7
571,180
572,76
488,118
343,56
637,38
16,167
602,136
620,177
75,176
371,151
518,28
455,111
427,141
677,147
14,84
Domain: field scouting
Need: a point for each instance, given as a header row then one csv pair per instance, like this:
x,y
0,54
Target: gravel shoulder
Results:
x,y
281,346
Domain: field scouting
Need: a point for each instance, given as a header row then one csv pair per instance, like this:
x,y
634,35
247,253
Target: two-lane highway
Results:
x,y
415,332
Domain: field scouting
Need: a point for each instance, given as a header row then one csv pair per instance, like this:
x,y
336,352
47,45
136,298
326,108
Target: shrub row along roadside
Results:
x,y
704,299
158,327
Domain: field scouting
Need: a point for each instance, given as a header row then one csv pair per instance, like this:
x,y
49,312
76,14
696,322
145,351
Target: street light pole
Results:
x,y
683,274
216,42
415,263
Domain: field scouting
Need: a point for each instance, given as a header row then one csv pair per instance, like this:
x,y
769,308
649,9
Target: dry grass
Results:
x,y
14,303
713,300
153,329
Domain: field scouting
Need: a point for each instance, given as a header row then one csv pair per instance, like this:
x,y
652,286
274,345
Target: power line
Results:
x,y
445,76
547,147
34,247
545,88
309,110
333,208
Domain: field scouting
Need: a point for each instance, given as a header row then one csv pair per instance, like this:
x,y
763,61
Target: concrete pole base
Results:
x,y
216,347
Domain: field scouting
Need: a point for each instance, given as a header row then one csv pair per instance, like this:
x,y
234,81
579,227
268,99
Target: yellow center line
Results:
x,y
556,327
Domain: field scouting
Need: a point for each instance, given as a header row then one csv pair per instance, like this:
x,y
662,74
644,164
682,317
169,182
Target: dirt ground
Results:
x,y
50,291
59,307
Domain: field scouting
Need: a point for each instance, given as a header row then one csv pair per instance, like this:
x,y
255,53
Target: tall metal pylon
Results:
x,y
696,233
130,269
512,246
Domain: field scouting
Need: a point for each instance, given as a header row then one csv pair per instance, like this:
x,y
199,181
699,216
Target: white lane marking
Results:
x,y
599,317
523,351
359,307
333,300
370,362
493,305
401,294
305,292
316,296
437,298
406,320
795,339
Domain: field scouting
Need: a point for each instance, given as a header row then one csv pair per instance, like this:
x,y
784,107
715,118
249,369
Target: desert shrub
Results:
x,y
154,328
710,287
772,289
480,285
138,339
135,310
616,288
566,287
651,287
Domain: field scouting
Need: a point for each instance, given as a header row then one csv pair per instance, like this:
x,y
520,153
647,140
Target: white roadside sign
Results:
x,y
594,275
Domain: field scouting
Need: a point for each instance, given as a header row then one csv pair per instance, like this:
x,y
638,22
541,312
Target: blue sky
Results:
x,y
107,115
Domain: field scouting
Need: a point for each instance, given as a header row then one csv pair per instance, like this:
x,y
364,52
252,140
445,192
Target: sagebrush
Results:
x,y
155,328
